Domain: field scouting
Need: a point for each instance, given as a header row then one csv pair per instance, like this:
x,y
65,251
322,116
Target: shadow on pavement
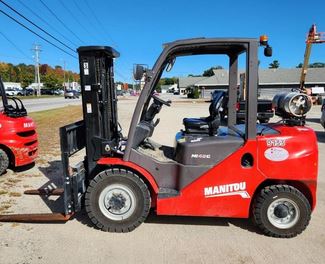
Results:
x,y
53,171
23,168
152,218
245,224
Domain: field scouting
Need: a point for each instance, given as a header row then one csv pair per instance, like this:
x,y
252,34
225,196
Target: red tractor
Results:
x,y
18,138
264,171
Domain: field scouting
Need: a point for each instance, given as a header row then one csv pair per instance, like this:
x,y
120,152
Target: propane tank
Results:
x,y
291,105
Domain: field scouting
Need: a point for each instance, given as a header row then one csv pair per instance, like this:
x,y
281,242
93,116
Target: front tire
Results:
x,y
117,200
4,161
281,211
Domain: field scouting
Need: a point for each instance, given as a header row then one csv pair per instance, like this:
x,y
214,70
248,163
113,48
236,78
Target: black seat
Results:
x,y
206,125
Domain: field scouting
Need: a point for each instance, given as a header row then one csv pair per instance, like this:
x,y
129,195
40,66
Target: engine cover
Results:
x,y
204,149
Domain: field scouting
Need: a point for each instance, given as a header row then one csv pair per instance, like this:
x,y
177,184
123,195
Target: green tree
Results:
x,y
274,64
209,72
50,81
165,81
52,77
317,65
194,75
313,65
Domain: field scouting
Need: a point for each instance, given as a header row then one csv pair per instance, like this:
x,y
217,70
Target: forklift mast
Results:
x,y
99,102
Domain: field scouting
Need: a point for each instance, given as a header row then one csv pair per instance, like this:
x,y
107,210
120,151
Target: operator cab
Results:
x,y
203,142
12,106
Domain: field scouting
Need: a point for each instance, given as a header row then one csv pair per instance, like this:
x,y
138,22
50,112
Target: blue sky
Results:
x,y
137,29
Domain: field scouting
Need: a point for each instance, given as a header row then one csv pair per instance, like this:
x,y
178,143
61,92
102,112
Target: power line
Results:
x,y
58,19
32,31
45,22
99,23
84,14
77,20
15,46
13,57
121,75
21,15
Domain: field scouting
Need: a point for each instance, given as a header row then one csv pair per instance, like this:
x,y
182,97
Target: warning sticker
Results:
x,y
89,109
86,69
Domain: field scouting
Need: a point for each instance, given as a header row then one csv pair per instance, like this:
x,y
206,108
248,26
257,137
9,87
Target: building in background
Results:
x,y
185,82
12,85
34,86
271,81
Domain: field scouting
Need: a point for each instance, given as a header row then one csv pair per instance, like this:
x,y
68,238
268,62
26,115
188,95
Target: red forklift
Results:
x,y
264,171
18,137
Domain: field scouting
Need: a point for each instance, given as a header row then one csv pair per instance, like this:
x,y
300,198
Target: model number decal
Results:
x,y
227,190
201,156
275,142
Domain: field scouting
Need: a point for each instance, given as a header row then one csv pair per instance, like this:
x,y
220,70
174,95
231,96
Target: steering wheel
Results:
x,y
161,101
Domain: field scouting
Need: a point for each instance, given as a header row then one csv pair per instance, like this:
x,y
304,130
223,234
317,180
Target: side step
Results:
x,y
167,193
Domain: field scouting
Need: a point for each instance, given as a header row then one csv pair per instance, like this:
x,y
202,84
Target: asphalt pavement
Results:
x,y
40,104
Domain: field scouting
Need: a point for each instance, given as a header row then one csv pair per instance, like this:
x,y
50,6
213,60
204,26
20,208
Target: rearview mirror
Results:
x,y
138,71
268,51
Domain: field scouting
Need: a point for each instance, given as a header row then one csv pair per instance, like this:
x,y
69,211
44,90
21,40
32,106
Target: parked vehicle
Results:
x,y
322,119
14,92
264,108
176,92
71,94
120,92
18,137
50,91
29,91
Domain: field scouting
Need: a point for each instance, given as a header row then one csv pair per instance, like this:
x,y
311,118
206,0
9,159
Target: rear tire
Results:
x,y
281,211
4,161
117,200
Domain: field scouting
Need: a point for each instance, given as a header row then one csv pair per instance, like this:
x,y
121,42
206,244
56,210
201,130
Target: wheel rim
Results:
x,y
283,213
117,202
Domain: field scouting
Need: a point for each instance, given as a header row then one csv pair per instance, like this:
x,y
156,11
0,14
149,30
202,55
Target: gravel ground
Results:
x,y
160,239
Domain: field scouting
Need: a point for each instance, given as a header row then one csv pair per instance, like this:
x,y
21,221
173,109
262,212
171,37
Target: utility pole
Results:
x,y
64,76
37,50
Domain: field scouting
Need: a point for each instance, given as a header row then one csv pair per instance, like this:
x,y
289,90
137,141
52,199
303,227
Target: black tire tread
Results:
x,y
4,161
271,191
123,173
